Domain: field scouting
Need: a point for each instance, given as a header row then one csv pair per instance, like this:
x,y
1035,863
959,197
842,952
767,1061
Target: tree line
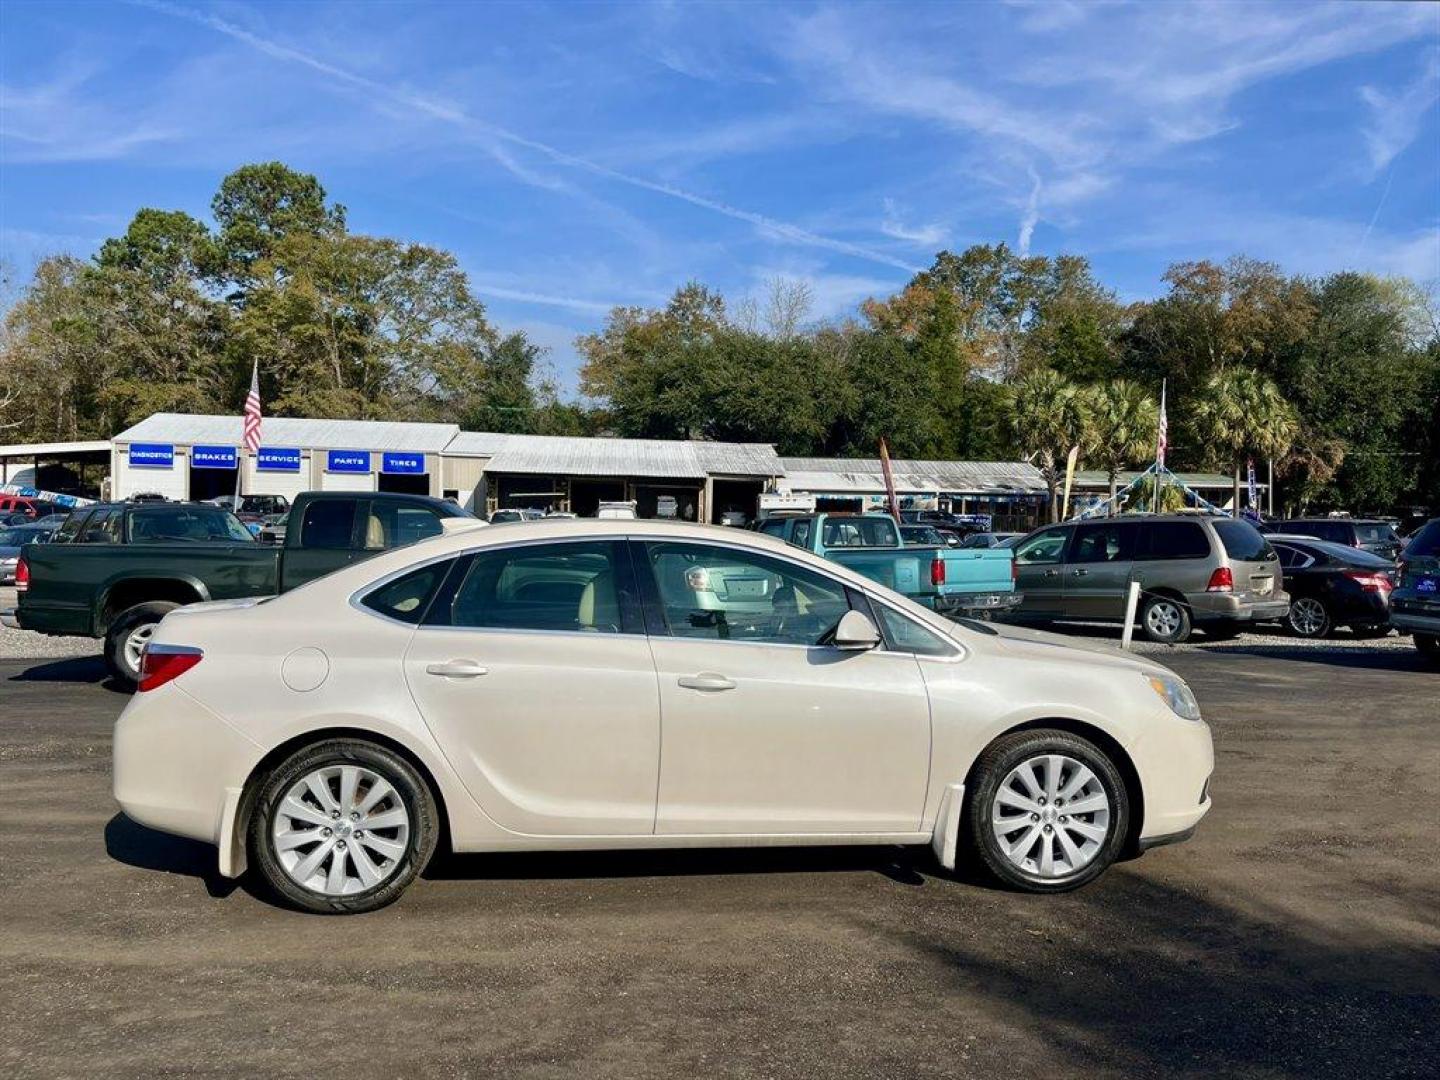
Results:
x,y
987,354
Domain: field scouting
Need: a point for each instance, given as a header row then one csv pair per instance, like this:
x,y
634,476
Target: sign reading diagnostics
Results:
x,y
412,464
347,461
149,455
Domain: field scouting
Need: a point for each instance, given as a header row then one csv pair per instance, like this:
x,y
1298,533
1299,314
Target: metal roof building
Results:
x,y
573,456
293,431
864,475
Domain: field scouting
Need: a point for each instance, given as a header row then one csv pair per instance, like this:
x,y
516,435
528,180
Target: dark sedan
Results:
x,y
1334,585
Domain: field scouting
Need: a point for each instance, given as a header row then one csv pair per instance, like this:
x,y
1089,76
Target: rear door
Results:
x,y
1098,566
533,671
1038,565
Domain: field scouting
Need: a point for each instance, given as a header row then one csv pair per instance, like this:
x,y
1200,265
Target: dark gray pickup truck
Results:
x,y
115,569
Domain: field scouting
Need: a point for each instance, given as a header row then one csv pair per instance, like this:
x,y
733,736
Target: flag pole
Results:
x,y
1162,437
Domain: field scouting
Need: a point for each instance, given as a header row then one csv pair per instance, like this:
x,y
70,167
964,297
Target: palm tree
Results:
x,y
1240,412
1124,430
1050,415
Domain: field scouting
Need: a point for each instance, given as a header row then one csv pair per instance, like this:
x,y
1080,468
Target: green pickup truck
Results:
x,y
952,581
114,570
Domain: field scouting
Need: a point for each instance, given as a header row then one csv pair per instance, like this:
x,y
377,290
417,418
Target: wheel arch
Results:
x,y
1117,753
123,593
254,781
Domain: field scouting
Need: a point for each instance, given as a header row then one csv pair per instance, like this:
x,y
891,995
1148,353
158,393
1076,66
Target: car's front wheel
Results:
x,y
343,827
1048,811
1309,618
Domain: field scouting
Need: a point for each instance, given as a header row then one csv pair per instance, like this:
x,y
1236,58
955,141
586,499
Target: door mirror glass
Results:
x,y
856,632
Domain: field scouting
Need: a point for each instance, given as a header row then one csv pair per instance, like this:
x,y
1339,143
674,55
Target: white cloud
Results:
x,y
926,235
591,307
1031,217
1395,119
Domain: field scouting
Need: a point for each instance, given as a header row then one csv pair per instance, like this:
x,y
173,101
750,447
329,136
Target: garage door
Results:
x,y
173,483
333,481
277,482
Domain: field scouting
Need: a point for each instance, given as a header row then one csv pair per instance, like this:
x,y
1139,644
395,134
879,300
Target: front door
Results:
x,y
535,676
1098,569
766,729
1038,572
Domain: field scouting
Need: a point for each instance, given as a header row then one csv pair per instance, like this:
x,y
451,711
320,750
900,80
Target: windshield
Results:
x,y
1243,541
12,538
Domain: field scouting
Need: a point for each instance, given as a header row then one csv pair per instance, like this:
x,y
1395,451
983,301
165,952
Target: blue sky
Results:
x,y
576,156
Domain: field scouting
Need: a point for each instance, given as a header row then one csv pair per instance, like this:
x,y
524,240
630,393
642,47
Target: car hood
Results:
x,y
1043,645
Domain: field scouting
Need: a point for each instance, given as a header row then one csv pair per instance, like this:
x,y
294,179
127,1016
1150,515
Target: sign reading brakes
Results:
x,y
147,455
277,459
402,463
213,457
351,461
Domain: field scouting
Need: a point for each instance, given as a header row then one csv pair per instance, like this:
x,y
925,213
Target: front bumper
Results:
x,y
1175,769
174,760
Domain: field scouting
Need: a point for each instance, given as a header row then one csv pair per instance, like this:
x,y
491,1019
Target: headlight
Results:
x,y
1176,695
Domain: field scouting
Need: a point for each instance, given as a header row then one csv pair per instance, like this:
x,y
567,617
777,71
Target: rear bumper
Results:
x,y
7,618
1408,621
62,621
1207,607
966,602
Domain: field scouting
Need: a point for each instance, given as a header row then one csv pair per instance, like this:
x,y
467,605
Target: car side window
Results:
x,y
1172,540
328,523
907,635
101,527
801,536
581,587
774,528
70,528
730,594
1099,542
407,597
1043,547
393,525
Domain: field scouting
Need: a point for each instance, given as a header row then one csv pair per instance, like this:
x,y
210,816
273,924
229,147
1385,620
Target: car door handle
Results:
x,y
706,680
456,669
1079,573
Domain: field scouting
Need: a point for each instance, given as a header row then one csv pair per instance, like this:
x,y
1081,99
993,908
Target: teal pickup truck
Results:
x,y
114,570
952,581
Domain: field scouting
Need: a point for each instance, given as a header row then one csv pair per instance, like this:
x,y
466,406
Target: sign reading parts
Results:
x,y
347,461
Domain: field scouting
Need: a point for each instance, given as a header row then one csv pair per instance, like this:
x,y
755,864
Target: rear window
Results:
x,y
1243,542
1426,543
859,532
1173,540
1374,534
183,523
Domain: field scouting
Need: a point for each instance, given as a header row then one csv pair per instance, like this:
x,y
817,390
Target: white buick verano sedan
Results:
x,y
624,684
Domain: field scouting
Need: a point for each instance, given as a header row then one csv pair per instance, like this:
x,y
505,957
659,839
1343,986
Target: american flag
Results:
x,y
252,411
1162,441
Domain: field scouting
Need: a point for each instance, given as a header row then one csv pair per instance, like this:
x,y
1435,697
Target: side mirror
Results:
x,y
856,633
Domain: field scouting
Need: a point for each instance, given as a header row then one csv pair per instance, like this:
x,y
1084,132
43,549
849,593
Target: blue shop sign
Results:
x,y
213,457
403,463
149,455
347,461
277,459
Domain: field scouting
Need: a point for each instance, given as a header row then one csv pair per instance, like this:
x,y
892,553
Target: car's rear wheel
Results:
x,y
1047,812
1165,620
1308,618
128,635
343,827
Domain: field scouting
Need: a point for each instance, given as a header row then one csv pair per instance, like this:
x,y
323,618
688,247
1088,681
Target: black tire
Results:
x,y
1370,633
118,653
991,770
1158,612
1429,646
1309,618
412,792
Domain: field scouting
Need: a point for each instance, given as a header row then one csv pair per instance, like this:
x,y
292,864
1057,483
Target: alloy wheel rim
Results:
x,y
1307,616
1051,816
135,644
340,830
1163,619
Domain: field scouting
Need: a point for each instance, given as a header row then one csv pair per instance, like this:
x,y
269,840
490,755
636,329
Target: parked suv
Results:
x,y
1415,603
1368,534
1214,572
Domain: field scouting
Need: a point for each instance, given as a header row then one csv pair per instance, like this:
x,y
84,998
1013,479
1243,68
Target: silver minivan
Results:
x,y
1211,572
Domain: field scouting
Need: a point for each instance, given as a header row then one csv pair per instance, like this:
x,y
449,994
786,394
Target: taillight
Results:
x,y
22,576
161,663
1014,573
1371,582
937,571
1221,581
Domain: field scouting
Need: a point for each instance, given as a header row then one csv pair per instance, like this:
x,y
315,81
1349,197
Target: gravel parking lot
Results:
x,y
1296,935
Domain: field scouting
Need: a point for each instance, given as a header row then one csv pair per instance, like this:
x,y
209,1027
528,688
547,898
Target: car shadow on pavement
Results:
x,y
135,845
905,866
1373,659
73,669
1134,977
